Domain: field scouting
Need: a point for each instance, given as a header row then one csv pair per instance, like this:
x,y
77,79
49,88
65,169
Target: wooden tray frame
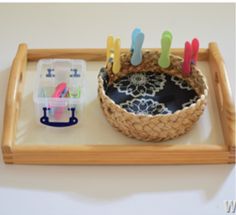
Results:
x,y
116,154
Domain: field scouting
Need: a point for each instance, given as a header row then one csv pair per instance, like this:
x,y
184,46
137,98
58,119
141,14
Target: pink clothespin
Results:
x,y
60,91
187,58
195,49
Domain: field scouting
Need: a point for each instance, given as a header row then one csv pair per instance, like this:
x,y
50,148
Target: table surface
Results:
x,y
198,189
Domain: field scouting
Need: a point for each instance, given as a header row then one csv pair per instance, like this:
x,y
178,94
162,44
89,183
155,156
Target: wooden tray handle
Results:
x,y
91,54
223,95
13,97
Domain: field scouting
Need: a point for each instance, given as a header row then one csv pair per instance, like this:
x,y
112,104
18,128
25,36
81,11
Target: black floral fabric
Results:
x,y
150,93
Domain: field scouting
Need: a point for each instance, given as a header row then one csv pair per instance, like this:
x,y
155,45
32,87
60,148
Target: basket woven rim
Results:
x,y
202,97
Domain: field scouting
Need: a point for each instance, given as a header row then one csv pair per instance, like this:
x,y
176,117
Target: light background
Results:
x,y
114,189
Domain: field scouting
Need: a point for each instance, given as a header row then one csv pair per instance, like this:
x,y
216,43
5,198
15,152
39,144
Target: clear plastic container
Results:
x,y
58,93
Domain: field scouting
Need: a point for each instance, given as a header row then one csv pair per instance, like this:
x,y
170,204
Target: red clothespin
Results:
x,y
187,59
195,49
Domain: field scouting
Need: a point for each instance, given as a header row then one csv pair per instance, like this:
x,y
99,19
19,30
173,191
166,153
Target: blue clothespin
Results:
x,y
136,46
134,34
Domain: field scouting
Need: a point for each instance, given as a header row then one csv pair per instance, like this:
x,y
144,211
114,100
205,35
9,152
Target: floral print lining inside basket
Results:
x,y
150,93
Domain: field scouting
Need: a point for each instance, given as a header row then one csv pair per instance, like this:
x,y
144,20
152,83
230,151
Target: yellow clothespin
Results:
x,y
116,63
113,53
110,51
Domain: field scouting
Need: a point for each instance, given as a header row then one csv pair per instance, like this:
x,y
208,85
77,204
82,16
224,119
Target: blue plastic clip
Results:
x,y
49,74
136,47
76,73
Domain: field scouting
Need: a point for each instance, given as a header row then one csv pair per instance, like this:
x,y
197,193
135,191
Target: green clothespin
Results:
x,y
164,60
73,94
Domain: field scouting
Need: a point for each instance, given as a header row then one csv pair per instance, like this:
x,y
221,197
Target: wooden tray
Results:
x,y
210,141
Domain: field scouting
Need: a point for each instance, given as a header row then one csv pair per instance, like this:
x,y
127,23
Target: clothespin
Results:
x,y
164,60
110,51
116,63
134,34
136,47
60,91
195,49
113,53
74,92
187,58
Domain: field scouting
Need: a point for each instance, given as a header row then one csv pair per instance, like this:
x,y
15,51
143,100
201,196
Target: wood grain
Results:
x,y
13,98
117,154
224,98
92,54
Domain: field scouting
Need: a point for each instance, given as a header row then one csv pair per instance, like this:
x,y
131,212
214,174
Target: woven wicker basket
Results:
x,y
152,127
